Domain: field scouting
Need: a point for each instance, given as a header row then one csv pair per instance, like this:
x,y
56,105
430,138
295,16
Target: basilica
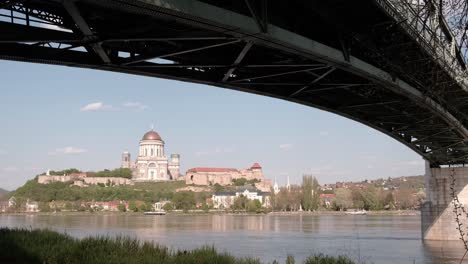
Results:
x,y
152,163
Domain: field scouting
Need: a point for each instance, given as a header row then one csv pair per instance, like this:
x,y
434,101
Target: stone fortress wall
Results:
x,y
80,179
225,176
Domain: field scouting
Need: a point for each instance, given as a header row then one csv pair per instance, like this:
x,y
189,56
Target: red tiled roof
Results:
x,y
327,195
203,169
256,166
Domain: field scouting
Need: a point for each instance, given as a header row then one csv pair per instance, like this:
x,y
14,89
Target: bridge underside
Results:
x,y
361,66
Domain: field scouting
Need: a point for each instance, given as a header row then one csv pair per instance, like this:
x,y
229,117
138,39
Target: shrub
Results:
x,y
168,207
121,208
44,246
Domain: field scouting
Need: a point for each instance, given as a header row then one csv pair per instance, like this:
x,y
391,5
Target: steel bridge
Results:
x,y
393,65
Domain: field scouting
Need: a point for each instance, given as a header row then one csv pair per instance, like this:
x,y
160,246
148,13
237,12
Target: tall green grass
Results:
x,y
49,247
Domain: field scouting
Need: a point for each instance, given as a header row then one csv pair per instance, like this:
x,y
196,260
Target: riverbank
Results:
x,y
395,212
45,246
201,212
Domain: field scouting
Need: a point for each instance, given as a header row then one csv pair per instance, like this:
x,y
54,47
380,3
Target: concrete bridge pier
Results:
x,y
438,220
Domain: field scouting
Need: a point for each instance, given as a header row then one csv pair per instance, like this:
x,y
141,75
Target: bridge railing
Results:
x,y
430,32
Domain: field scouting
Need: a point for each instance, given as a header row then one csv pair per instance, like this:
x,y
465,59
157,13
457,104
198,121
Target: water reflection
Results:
x,y
446,252
374,239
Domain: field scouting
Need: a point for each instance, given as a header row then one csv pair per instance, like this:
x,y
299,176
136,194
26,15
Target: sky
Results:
x,y
55,117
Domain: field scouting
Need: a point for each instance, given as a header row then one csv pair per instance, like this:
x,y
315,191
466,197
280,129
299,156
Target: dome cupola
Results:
x,y
151,135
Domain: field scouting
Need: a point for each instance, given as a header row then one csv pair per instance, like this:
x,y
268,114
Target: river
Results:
x,y
370,238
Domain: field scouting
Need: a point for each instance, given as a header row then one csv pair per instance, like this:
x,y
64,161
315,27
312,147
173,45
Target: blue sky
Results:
x,y
57,117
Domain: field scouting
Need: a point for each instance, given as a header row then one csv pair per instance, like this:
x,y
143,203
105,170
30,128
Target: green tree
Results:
x,y
144,207
253,206
358,200
389,201
116,173
63,172
44,207
132,206
343,199
168,207
310,192
240,203
68,206
239,181
217,187
205,207
371,200
184,200
121,208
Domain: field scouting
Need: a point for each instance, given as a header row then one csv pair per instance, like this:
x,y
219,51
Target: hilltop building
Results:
x,y
152,163
221,176
224,176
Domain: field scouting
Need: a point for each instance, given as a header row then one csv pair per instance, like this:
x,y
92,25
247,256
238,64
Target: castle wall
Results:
x,y
106,180
207,176
83,181
44,179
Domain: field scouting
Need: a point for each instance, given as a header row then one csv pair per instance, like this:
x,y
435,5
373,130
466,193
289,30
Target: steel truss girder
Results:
x,y
85,29
238,60
171,54
19,7
215,19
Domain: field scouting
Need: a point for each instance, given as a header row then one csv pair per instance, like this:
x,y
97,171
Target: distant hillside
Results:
x,y
64,191
3,192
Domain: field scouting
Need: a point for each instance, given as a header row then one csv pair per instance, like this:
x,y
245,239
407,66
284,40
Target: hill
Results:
x,y
3,192
64,191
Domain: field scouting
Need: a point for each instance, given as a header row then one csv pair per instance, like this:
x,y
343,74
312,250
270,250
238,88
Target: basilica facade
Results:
x,y
152,163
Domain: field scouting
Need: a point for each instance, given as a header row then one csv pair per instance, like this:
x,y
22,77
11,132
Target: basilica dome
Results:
x,y
151,135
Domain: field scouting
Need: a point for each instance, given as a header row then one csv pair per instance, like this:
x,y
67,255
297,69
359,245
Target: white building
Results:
x,y
152,163
32,206
223,200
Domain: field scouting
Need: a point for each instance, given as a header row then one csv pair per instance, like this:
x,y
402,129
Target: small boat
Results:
x,y
155,213
360,212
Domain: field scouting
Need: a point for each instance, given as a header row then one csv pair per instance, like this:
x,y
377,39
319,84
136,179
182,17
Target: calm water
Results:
x,y
372,239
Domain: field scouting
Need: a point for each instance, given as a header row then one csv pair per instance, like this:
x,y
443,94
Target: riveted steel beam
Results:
x,y
238,60
175,53
85,29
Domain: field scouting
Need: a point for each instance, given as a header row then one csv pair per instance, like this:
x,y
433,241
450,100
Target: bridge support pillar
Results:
x,y
438,220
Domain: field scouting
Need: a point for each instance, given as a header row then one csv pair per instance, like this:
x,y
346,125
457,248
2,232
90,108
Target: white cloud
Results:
x,y
10,169
324,133
135,105
286,146
95,107
215,151
68,150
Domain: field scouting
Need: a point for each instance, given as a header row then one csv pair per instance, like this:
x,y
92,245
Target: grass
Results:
x,y
169,186
49,247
